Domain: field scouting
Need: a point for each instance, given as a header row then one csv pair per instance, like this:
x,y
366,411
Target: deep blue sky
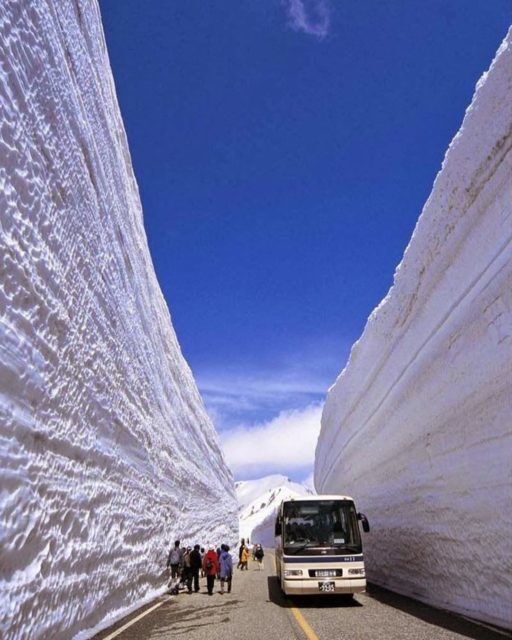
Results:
x,y
282,174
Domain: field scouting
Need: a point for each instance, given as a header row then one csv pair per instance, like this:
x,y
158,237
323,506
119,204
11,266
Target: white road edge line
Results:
x,y
139,617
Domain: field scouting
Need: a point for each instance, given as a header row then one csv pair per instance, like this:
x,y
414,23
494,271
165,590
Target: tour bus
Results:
x,y
318,546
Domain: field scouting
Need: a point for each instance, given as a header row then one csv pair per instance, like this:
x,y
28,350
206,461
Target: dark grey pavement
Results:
x,y
257,609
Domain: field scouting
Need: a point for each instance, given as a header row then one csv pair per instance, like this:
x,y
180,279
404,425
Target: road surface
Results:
x,y
257,609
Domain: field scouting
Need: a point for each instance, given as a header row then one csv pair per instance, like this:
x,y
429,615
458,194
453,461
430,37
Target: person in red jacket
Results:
x,y
210,568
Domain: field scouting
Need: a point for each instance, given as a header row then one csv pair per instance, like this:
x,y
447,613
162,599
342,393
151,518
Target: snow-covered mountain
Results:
x,y
106,451
417,426
258,501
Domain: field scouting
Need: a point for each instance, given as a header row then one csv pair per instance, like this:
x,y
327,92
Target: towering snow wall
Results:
x,y
418,427
106,452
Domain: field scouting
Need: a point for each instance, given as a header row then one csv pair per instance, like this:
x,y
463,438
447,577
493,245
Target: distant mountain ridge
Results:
x,y
258,501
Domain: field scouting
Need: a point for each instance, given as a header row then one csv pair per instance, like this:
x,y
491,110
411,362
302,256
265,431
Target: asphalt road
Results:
x,y
256,609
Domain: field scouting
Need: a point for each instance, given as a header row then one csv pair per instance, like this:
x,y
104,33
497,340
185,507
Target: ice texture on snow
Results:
x,y
258,501
106,451
418,425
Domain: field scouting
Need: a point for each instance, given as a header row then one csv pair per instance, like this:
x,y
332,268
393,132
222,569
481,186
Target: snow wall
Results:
x,y
418,426
106,452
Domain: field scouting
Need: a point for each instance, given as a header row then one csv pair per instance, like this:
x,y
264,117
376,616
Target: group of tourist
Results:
x,y
247,550
186,565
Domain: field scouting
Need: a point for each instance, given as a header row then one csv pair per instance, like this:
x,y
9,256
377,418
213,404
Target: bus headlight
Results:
x,y
355,572
288,573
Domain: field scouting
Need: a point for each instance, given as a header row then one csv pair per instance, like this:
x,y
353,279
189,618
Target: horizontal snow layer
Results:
x,y
418,425
258,501
106,452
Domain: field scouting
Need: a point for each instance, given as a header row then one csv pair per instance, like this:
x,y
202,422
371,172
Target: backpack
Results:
x,y
208,564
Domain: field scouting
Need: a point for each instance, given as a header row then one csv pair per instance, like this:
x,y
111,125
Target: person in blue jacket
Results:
x,y
226,568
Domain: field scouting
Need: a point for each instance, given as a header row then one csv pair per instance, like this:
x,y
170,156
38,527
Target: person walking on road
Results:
x,y
244,558
202,558
242,545
187,569
226,568
175,561
250,550
211,568
258,555
196,562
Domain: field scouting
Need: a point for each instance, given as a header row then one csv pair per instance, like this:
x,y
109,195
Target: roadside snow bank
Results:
x,y
106,452
418,425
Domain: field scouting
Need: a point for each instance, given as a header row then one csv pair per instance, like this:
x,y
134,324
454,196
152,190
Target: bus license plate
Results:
x,y
326,573
326,587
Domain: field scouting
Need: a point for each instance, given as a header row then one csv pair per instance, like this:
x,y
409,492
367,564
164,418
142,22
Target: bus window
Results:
x,y
331,523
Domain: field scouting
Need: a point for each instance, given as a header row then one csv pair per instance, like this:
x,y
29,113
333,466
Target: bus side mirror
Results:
x,y
278,528
364,522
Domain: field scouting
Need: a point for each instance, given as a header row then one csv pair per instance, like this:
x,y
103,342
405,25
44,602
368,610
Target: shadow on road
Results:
x,y
184,621
276,596
437,617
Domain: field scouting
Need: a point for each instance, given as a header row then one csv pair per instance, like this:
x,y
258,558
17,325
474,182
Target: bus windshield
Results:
x,y
325,523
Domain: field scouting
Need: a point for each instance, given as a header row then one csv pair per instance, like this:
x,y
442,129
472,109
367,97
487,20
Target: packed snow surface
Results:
x,y
258,501
418,425
106,452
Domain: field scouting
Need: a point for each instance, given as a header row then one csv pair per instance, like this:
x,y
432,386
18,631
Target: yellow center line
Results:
x,y
310,634
303,623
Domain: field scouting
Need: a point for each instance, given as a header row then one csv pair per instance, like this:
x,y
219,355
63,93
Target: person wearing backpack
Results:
x,y
187,569
175,560
195,564
226,568
240,549
258,554
244,559
211,568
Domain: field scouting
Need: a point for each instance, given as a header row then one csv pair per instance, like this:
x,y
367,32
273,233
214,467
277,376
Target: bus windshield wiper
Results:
x,y
304,546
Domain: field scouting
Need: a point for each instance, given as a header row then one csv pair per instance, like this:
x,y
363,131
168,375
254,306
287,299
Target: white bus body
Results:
x,y
318,546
